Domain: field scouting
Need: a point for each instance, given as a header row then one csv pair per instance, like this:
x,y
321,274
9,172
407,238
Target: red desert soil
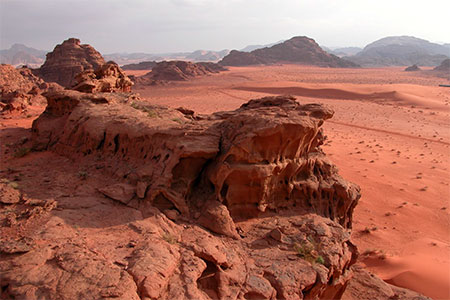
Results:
x,y
390,135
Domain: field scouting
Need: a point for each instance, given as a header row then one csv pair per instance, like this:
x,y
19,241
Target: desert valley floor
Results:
x,y
390,134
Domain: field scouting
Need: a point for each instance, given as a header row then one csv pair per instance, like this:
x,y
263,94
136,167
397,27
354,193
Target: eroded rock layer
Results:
x,y
263,156
68,60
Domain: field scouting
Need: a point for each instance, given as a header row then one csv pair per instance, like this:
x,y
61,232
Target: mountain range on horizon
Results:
x,y
388,51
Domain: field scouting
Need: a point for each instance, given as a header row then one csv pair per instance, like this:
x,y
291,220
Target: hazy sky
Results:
x,y
156,26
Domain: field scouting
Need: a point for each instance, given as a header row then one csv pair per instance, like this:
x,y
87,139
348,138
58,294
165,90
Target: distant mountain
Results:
x,y
401,51
299,50
250,48
344,51
196,56
207,55
131,58
20,54
143,65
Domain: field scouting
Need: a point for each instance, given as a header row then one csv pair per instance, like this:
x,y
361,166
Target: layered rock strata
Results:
x,y
68,60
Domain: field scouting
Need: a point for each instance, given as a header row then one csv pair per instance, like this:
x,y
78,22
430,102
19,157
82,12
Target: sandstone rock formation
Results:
x,y
263,156
68,60
19,88
299,50
412,68
177,70
107,78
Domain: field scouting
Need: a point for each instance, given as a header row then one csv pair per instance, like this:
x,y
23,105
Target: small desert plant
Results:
x,y
134,105
308,250
82,175
320,260
170,238
150,112
21,152
14,185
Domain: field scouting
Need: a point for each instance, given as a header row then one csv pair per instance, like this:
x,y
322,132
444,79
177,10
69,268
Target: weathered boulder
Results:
x,y
9,195
107,78
68,60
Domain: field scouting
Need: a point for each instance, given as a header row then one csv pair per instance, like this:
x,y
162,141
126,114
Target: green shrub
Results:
x,y
170,238
21,152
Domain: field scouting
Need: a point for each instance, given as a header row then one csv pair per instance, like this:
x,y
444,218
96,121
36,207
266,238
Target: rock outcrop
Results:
x,y
298,50
263,156
413,68
107,78
367,286
19,88
68,60
177,70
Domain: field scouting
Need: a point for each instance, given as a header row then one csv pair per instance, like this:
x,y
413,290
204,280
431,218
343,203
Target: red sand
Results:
x,y
390,135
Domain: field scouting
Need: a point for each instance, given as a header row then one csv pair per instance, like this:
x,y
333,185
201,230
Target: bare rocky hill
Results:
x,y
300,50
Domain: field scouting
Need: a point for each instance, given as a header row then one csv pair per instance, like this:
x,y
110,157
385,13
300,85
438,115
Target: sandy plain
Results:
x,y
390,134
